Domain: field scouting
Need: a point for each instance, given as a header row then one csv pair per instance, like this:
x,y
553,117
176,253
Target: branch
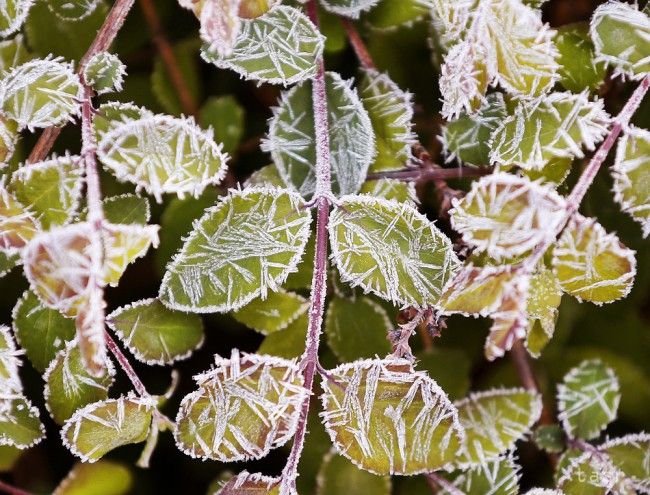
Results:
x,y
188,103
433,174
435,481
105,36
12,490
126,366
358,45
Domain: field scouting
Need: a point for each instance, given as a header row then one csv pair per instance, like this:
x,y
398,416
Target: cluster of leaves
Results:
x,y
519,98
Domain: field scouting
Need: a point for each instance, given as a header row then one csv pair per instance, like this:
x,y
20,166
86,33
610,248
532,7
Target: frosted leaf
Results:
x,y
13,52
220,25
288,343
244,407
12,15
126,209
18,224
10,383
509,321
8,140
591,264
52,189
70,386
349,8
385,16
20,425
621,35
391,250
558,125
246,483
578,68
273,314
466,138
41,93
452,17
240,249
543,491
388,419
112,115
123,244
292,139
588,399
630,454
545,294
83,479
102,426
631,173
279,47
593,474
505,215
391,112
40,331
72,10
494,420
155,334
267,176
391,189
8,262
553,174
104,72
495,477
162,154
337,475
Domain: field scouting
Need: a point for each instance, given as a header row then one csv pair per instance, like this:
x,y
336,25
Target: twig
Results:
x,y
358,45
309,361
435,481
126,366
437,173
12,490
188,103
399,338
105,36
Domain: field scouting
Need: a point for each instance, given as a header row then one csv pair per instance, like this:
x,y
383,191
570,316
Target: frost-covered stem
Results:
x,y
417,174
436,481
399,338
105,36
309,362
126,366
358,45
168,57
12,490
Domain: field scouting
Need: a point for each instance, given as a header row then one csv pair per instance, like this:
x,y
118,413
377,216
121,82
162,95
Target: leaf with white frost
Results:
x,y
279,47
246,483
391,250
69,386
509,320
20,425
588,399
391,190
388,419
220,25
123,244
494,420
505,215
631,173
72,10
18,223
12,15
162,154
10,383
338,475
8,140
545,294
104,72
240,249
41,93
126,209
559,125
349,8
292,140
273,314
591,264
593,474
630,454
498,476
156,334
244,407
114,114
102,426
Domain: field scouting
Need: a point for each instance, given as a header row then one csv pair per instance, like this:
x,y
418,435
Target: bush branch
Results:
x,y
12,490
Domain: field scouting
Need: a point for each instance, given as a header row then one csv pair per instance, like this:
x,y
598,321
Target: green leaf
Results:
x,y
13,52
242,248
41,93
388,419
9,363
113,115
100,427
267,176
591,264
550,438
19,224
7,262
494,420
155,334
496,477
102,478
20,425
12,15
337,475
631,173
620,35
123,244
104,72
349,8
288,343
186,158
41,331
506,216
578,69
629,454
8,141
126,209
591,474
69,386
387,15
9,457
260,399
272,314
391,250
246,483
188,67
279,47
555,172
357,328
558,125
52,189
391,111
466,139
545,294
391,189
292,138
449,367
72,11
226,117
588,399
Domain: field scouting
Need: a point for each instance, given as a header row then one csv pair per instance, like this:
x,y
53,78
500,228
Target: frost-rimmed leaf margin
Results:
x,y
237,484
642,485
14,24
87,9
296,204
348,8
31,410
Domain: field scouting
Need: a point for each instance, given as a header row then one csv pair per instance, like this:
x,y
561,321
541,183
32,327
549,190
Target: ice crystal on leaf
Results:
x,y
104,72
279,47
9,364
591,264
349,8
162,154
72,10
273,314
495,477
505,215
112,115
388,419
246,483
220,24
244,407
8,140
545,294
12,15
239,250
591,473
554,126
40,93
123,244
292,140
18,223
391,250
630,454
631,173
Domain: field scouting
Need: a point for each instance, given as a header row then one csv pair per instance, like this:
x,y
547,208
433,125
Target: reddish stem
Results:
x,y
12,490
126,366
358,45
419,174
